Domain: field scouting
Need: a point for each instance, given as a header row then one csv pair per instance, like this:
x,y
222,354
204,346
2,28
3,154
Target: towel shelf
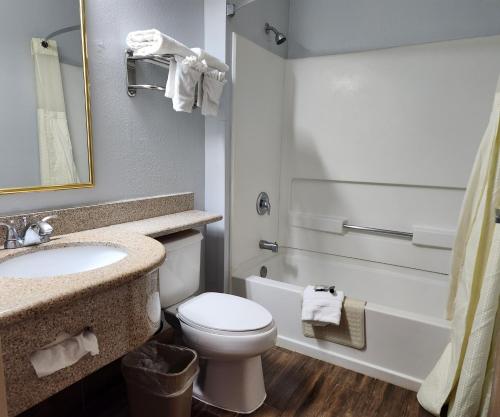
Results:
x,y
131,63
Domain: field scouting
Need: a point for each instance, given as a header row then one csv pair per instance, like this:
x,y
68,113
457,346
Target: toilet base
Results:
x,y
233,385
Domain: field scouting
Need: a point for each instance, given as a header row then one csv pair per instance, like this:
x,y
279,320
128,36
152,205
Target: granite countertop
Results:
x,y
24,298
21,298
165,225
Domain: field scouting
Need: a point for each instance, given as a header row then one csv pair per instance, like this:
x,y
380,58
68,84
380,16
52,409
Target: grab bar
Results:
x,y
387,232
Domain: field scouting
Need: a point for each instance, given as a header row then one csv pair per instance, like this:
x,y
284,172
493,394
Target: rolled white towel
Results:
x,y
152,41
213,86
187,76
321,308
211,61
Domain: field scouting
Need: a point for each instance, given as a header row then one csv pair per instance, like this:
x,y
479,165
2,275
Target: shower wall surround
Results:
x,y
141,146
383,138
256,143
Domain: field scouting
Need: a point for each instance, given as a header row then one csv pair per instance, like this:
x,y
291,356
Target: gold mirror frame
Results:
x,y
88,119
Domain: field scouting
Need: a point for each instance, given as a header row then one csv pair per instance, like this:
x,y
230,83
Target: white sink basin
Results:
x,y
60,261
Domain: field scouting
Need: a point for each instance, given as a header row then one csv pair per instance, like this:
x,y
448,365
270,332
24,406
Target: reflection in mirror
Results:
x,y
46,131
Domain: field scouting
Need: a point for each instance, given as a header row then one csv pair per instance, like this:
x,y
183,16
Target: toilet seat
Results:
x,y
228,345
186,322
224,313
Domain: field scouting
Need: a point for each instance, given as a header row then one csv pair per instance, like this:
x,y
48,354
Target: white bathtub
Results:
x,y
405,329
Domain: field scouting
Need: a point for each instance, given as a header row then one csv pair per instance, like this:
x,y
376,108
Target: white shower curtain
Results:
x,y
57,166
463,375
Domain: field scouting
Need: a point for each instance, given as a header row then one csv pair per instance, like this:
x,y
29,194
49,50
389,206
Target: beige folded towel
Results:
x,y
351,330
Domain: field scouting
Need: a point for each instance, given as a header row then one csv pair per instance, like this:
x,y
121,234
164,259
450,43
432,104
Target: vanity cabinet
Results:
x,y
119,317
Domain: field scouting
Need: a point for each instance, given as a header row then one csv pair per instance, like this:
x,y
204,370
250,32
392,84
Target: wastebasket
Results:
x,y
160,380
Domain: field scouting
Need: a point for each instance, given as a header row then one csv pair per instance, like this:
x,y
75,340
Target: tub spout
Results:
x,y
264,244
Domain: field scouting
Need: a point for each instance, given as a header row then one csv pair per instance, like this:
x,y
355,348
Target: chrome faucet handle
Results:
x,y
12,241
45,229
52,216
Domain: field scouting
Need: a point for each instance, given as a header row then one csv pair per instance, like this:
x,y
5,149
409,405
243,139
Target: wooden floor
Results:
x,y
296,386
304,387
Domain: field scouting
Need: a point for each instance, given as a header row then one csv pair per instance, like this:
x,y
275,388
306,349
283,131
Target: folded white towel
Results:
x,y
170,87
321,308
65,351
213,86
187,75
152,41
211,61
199,94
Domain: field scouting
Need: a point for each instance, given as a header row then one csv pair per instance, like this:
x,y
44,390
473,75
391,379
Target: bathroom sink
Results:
x,y
61,261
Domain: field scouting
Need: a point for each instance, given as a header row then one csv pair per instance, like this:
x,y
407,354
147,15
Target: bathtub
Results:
x,y
405,328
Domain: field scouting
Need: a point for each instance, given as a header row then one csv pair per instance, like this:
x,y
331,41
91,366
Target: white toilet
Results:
x,y
229,333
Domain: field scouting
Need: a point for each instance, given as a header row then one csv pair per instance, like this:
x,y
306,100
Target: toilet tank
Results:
x,y
180,273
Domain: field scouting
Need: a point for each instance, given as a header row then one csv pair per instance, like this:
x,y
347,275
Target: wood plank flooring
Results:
x,y
299,386
296,386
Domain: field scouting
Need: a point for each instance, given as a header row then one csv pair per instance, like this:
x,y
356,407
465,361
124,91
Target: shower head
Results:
x,y
279,37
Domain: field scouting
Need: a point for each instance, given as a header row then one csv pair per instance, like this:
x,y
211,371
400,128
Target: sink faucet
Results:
x,y
264,244
35,233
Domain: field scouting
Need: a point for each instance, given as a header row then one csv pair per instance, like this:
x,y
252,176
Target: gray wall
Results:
x,y
141,146
217,157
250,19
325,27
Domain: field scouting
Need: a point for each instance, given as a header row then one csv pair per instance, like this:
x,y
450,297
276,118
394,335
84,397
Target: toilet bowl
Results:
x,y
229,333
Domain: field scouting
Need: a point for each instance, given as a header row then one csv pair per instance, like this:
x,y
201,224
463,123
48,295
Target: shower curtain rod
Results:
x,y
45,40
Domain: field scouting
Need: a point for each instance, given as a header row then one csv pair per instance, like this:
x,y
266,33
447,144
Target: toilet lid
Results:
x,y
224,312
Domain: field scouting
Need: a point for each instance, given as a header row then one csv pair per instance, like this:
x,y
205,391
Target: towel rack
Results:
x,y
131,62
397,233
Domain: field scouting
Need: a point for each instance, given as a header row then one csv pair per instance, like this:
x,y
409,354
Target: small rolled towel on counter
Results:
x,y
153,42
211,61
65,351
321,308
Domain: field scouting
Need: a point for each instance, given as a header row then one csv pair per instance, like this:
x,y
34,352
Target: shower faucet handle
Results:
x,y
263,204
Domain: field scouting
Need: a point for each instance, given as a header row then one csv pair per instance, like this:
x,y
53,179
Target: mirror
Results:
x,y
46,135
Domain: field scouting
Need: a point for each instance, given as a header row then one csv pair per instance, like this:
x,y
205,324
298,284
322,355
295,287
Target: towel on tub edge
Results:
x,y
321,308
351,330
